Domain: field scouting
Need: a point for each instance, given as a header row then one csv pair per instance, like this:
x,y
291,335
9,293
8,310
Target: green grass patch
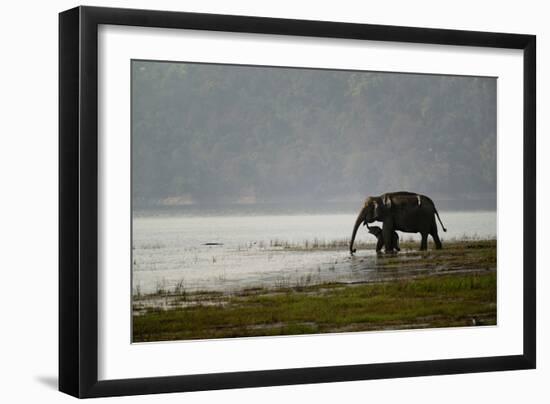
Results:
x,y
436,301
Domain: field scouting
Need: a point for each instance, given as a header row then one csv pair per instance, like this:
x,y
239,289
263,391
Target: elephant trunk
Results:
x,y
360,218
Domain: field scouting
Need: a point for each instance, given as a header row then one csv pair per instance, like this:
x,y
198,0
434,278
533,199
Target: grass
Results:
x,y
317,244
339,244
455,286
441,301
478,254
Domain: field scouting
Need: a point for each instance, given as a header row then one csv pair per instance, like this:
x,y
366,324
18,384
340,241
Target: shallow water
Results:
x,y
170,250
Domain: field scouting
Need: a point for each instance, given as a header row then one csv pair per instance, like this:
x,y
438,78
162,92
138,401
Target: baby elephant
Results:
x,y
377,232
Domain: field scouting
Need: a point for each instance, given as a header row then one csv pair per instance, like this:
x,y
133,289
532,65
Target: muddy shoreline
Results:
x,y
446,288
459,257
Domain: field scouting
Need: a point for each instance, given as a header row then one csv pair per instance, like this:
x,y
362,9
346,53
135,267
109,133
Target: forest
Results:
x,y
206,133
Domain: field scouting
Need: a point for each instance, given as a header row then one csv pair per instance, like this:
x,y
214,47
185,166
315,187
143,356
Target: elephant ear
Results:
x,y
378,207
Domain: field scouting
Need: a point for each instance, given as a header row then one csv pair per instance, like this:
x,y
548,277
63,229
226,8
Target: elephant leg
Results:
x,y
424,242
396,242
435,236
380,244
387,233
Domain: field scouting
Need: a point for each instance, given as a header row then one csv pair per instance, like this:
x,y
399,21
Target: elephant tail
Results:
x,y
440,222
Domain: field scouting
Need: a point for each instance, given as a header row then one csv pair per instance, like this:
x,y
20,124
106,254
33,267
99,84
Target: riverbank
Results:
x,y
452,287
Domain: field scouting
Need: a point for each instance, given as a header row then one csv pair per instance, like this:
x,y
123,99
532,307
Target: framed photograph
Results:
x,y
250,201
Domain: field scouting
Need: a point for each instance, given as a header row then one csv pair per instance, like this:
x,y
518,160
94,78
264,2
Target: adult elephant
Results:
x,y
404,211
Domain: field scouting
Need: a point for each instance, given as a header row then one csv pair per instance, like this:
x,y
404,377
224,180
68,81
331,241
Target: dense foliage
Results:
x,y
236,133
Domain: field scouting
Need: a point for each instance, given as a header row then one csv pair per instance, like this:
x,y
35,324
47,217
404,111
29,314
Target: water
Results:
x,y
170,250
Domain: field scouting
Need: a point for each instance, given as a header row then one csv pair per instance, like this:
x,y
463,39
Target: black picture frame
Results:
x,y
78,201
